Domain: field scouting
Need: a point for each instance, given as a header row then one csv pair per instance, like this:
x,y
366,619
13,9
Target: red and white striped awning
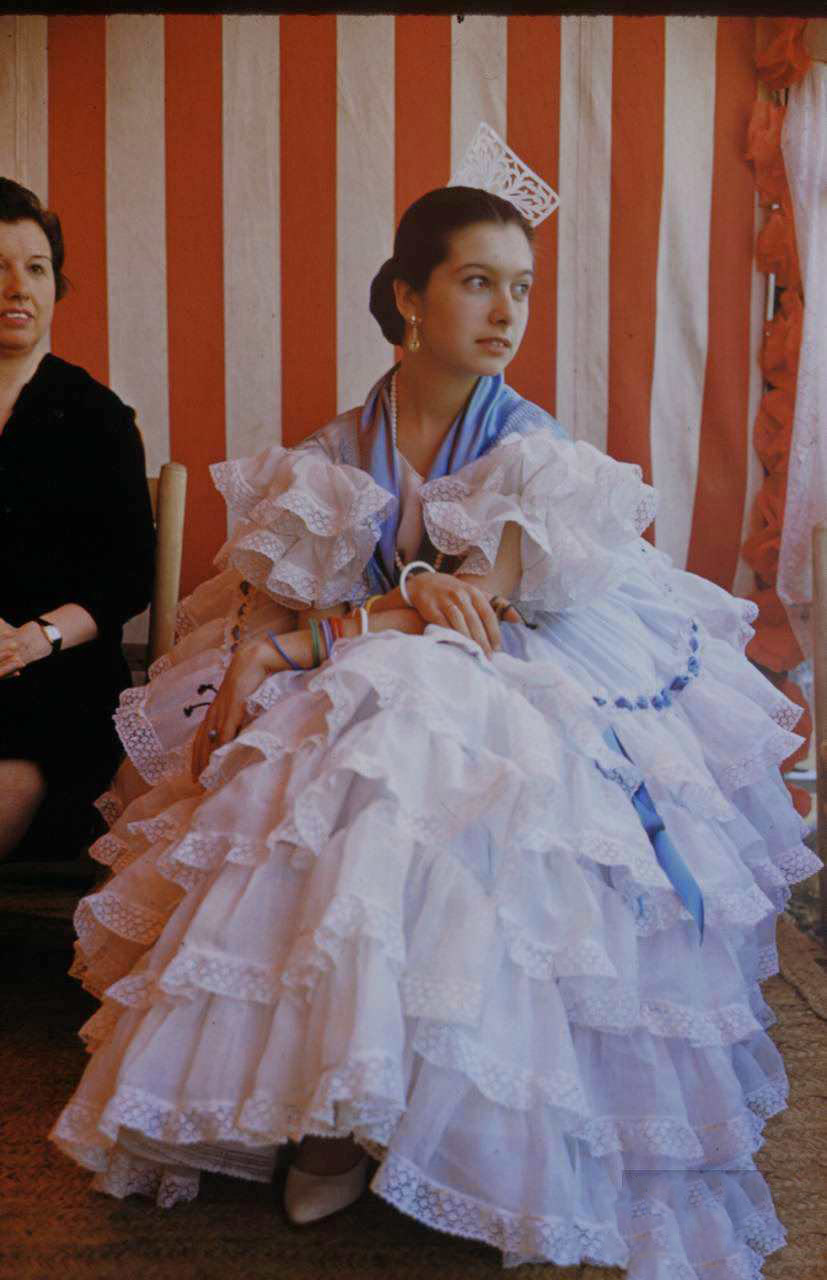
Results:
x,y
229,184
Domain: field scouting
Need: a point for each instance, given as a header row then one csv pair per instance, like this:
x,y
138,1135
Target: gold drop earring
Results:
x,y
412,342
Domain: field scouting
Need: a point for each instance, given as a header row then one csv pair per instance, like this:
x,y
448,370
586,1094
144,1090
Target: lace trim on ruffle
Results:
x,y
797,863
99,958
346,917
134,991
519,1089
110,807
138,736
159,666
728,618
108,849
745,631
655,911
620,1010
345,523
239,495
761,1234
790,867
562,1241
770,1098
664,1136
80,1124
114,853
565,564
538,960
262,559
128,920
185,624
194,970
767,962
100,1026
752,768
199,852
333,1110
504,1083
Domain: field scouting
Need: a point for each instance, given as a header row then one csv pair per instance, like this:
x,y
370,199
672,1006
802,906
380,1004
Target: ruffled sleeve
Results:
x,y
576,507
305,527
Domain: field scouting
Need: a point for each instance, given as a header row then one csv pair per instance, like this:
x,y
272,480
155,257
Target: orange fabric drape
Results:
x,y
782,62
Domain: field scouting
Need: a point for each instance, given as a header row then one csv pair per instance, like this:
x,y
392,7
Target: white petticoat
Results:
x,y
414,901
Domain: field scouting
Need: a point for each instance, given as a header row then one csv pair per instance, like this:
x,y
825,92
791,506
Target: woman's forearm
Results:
x,y
298,645
74,623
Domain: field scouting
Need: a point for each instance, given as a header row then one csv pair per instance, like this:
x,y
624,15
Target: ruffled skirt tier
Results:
x,y
413,901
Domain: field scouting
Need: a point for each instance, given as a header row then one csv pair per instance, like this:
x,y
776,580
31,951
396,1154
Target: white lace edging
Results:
x,y
620,1010
538,482
136,732
110,807
125,1175
559,1240
338,507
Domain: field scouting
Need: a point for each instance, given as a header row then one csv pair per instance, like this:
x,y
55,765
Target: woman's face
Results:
x,y
27,287
474,308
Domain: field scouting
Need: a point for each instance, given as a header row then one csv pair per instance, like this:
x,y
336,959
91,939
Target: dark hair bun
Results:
x,y
383,306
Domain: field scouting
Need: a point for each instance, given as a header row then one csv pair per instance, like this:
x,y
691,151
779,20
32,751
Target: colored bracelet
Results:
x,y
370,602
415,564
337,626
271,636
315,640
327,632
364,621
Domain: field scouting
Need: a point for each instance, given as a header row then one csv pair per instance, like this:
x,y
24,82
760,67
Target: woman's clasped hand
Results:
x,y
455,603
19,646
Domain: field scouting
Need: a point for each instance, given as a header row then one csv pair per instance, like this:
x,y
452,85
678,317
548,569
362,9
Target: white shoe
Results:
x,y
308,1197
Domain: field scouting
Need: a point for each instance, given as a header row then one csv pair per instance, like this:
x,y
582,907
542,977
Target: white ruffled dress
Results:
x,y
413,900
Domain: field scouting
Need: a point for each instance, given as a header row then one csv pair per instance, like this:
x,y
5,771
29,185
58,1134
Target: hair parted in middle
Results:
x,y
422,242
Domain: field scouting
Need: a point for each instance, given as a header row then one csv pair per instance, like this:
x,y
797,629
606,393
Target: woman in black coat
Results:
x,y
76,538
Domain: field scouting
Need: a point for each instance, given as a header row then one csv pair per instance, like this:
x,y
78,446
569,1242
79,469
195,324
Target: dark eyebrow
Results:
x,y
46,256
483,266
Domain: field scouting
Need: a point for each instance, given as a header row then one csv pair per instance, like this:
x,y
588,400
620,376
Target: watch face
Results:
x,y
52,634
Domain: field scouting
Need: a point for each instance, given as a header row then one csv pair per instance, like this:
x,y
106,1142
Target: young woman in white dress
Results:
x,y
395,873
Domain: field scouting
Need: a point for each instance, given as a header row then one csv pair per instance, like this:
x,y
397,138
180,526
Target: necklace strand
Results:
x,y
400,563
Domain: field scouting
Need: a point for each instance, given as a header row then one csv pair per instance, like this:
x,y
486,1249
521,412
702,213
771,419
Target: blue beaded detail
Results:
x,y
663,698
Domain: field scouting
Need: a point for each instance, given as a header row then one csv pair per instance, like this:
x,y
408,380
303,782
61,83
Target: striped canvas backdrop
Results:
x,y
229,184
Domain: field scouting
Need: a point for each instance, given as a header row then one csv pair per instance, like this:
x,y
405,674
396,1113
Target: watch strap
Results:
x,y
51,632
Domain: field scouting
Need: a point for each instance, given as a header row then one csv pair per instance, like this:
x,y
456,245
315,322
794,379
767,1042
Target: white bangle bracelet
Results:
x,y
363,622
415,564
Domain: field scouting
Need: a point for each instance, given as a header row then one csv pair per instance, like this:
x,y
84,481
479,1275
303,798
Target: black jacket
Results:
x,y
75,527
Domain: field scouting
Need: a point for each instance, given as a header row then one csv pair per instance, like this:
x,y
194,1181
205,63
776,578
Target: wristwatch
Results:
x,y
51,632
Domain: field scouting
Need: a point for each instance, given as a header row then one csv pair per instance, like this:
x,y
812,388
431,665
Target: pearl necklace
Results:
x,y
400,563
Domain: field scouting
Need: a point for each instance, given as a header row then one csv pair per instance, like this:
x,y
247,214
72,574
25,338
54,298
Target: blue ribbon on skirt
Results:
x,y
669,860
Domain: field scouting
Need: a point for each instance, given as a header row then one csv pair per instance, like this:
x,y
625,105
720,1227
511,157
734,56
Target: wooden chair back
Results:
x,y
168,492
